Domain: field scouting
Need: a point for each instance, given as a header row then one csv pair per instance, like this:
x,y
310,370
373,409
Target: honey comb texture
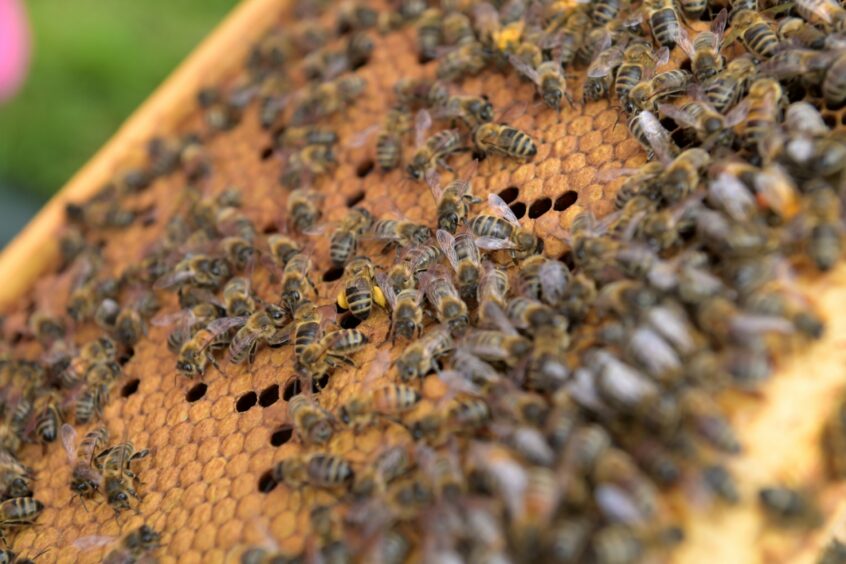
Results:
x,y
201,483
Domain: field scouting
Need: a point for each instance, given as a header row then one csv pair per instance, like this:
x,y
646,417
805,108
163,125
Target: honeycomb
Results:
x,y
214,440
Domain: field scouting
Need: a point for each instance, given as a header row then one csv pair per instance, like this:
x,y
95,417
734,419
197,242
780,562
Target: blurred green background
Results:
x,y
93,62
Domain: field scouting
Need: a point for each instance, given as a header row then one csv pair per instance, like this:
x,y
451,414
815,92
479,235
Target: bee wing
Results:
x,y
491,244
224,324
433,180
69,442
242,341
93,541
422,123
446,242
172,279
378,366
387,289
498,205
678,115
360,138
609,174
656,135
495,314
524,68
737,114
683,40
718,27
603,66
662,56
553,276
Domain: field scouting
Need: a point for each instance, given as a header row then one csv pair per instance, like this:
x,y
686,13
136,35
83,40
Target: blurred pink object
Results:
x,y
14,47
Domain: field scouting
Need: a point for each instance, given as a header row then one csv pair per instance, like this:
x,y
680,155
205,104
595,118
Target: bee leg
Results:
x,y
313,287
444,165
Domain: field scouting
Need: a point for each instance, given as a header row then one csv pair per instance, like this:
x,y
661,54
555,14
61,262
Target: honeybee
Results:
x,y
652,136
725,90
799,31
453,202
198,351
18,512
325,470
639,61
344,239
115,465
297,286
788,505
468,413
464,256
264,326
331,351
766,103
472,111
420,358
282,248
303,209
238,298
401,233
755,33
360,289
387,401
322,100
417,93
85,480
302,166
449,308
46,328
313,424
406,313
15,477
429,34
712,128
90,403
136,546
201,271
434,151
834,83
389,142
503,231
824,14
496,346
663,21
704,51
666,85
467,59
416,259
47,422
601,72
550,82
493,288
298,137
505,140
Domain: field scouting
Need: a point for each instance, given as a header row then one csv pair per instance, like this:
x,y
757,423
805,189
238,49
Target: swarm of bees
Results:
x,y
545,403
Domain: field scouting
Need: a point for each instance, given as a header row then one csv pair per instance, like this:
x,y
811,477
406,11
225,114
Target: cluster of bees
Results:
x,y
546,403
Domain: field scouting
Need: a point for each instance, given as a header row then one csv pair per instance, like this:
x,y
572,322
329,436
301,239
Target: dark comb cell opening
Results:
x,y
292,389
355,199
364,168
565,200
519,209
509,194
567,258
317,384
245,402
539,207
281,436
669,124
269,396
126,356
266,483
333,274
830,120
350,322
196,392
130,387
266,153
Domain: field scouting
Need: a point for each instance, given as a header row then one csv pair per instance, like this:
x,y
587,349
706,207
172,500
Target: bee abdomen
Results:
x,y
325,470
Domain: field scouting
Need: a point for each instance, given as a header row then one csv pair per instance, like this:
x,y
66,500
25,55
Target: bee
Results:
x,y
306,327
468,413
360,289
464,256
708,421
354,16
303,165
115,465
551,85
429,34
298,137
406,313
704,51
238,298
18,512
755,33
712,128
85,480
389,142
766,103
402,233
666,85
387,401
137,546
313,424
663,21
187,322
46,328
496,346
264,326
725,90
434,151
472,111
503,231
303,210
198,351
47,423
90,403
827,15
721,482
788,506
601,72
639,62
449,308
623,543
834,83
652,136
493,288
419,258
505,140
797,30
418,93
547,369
457,29
324,470
15,477
282,248
344,241
330,351
420,357
467,59
297,286
453,203
327,98
201,271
